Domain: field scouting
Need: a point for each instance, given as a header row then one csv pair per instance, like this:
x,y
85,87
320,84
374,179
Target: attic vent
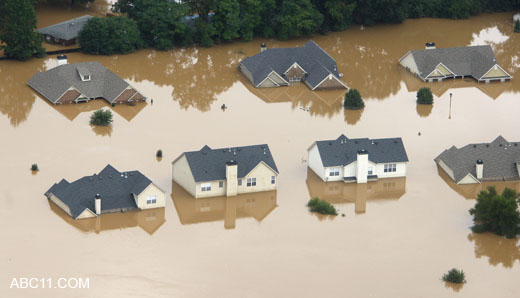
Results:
x,y
330,144
516,144
499,145
474,146
355,142
487,145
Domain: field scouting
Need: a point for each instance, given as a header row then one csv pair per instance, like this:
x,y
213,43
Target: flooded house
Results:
x,y
109,191
64,33
226,171
283,66
82,82
437,64
476,163
358,160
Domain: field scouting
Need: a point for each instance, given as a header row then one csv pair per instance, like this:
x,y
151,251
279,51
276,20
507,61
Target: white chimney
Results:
x,y
430,45
479,167
98,204
362,166
231,178
263,47
62,59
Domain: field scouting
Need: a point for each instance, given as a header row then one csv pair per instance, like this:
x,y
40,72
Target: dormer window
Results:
x,y
84,73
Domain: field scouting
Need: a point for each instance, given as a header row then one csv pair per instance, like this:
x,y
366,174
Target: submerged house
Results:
x,y
107,192
226,171
65,33
358,160
475,163
282,66
433,64
82,82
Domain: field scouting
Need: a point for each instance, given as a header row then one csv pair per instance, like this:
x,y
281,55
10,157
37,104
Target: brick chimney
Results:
x,y
362,166
98,204
231,178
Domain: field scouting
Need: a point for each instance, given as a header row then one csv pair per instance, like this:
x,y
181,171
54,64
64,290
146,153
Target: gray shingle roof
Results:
x,y
116,191
66,30
472,61
343,151
313,59
53,83
210,164
499,157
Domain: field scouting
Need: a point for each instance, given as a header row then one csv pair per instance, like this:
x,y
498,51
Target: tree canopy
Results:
x,y
353,100
424,96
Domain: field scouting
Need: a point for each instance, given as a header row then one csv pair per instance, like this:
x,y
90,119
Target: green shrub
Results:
x,y
159,153
353,100
496,213
321,206
517,26
101,118
455,276
34,167
424,96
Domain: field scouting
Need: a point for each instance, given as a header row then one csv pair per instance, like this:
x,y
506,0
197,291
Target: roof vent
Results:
x,y
474,146
499,145
131,174
122,175
263,47
62,59
330,144
487,145
480,162
100,177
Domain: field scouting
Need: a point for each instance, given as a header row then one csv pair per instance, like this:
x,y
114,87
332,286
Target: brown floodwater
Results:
x,y
396,239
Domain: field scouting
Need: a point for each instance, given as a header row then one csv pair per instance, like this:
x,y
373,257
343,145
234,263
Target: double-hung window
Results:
x,y
205,187
239,182
390,168
333,172
251,182
221,184
273,179
151,199
370,171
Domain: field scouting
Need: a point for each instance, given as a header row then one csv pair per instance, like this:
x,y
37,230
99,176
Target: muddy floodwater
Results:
x,y
396,239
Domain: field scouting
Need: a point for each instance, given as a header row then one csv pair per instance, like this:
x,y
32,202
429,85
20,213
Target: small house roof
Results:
x,y
53,83
66,30
500,158
116,190
311,57
343,151
210,164
473,61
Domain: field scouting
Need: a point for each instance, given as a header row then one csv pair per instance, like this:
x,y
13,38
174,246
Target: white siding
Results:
x,y
87,213
277,79
151,190
468,180
409,63
60,204
379,170
350,169
181,173
334,178
214,192
267,83
315,162
263,174
446,169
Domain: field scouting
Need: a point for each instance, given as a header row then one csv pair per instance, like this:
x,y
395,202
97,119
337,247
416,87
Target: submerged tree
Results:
x,y
455,276
321,206
297,18
226,20
496,213
101,118
17,30
424,96
353,100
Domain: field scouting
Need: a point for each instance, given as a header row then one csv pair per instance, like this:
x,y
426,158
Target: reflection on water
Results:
x,y
340,192
454,286
103,131
352,116
150,220
190,210
424,110
470,191
497,249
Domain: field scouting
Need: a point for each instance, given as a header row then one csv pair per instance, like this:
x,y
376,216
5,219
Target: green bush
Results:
x,y
353,100
109,36
321,206
455,276
517,26
101,118
159,153
424,96
496,213
34,167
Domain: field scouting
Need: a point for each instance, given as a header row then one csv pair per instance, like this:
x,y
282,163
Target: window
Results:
x,y
295,79
370,170
251,182
221,184
239,182
151,199
86,78
273,179
334,172
390,168
205,187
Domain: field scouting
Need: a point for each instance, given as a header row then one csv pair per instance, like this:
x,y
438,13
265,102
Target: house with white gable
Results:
x,y
226,171
358,160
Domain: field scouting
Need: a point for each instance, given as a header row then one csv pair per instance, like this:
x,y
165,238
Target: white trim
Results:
x,y
267,77
277,85
446,68
86,209
278,76
290,67
330,74
510,77
435,69
257,167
